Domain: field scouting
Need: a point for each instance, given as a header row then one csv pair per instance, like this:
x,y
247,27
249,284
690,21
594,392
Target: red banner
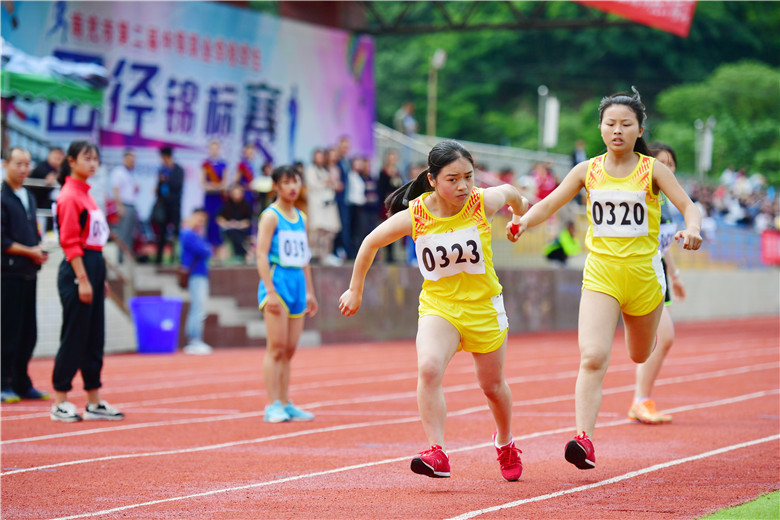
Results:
x,y
671,16
770,247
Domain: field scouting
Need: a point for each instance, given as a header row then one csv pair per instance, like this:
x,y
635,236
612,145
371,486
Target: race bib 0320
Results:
x,y
447,254
618,213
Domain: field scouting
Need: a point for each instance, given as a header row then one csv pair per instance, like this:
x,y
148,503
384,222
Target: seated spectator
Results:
x,y
235,220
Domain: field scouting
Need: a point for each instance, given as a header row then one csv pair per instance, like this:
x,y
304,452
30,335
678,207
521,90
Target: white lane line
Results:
x,y
157,402
394,396
464,516
619,478
742,355
374,424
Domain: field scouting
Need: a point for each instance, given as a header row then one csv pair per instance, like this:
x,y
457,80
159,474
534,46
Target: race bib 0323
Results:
x,y
446,254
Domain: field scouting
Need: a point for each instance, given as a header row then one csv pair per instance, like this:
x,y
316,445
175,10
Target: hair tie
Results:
x,y
405,200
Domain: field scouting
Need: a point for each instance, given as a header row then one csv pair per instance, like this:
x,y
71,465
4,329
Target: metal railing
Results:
x,y
494,157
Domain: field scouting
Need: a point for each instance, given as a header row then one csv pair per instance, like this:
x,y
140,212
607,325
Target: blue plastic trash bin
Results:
x,y
156,320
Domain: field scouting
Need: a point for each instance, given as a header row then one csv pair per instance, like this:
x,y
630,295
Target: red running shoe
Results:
x,y
432,463
509,460
579,451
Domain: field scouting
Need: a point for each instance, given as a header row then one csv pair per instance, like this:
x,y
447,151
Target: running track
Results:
x,y
194,444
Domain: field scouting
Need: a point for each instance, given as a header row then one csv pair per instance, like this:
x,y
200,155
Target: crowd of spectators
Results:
x,y
344,194
738,200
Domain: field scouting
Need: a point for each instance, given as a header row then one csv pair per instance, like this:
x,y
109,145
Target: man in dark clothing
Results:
x,y
343,243
47,171
22,256
167,210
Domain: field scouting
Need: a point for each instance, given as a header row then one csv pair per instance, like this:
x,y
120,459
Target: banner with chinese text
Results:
x,y
184,73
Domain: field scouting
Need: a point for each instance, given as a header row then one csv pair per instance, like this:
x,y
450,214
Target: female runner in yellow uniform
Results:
x,y
623,271
461,307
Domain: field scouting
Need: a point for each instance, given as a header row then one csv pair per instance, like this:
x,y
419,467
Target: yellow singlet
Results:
x,y
625,218
454,253
624,214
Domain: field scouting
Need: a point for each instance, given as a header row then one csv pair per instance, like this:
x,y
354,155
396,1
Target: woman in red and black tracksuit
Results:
x,y
81,283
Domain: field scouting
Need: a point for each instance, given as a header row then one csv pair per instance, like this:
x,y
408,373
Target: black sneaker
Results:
x,y
35,394
64,412
102,412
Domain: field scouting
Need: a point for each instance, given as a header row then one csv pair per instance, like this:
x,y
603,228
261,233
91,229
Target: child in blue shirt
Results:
x,y
195,254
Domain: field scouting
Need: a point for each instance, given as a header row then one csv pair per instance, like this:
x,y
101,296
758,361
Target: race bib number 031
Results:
x,y
617,213
447,254
293,249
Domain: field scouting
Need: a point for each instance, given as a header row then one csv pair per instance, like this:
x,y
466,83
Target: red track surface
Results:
x,y
194,444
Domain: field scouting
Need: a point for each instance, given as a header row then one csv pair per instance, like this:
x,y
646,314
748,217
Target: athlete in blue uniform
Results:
x,y
285,292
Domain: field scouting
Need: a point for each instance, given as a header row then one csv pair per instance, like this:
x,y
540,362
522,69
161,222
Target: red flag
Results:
x,y
674,16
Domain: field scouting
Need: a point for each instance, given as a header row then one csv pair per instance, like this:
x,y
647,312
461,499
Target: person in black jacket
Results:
x,y
167,210
22,256
46,171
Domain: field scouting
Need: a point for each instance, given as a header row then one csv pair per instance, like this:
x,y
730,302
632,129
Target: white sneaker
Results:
x,y
64,412
198,348
332,260
102,412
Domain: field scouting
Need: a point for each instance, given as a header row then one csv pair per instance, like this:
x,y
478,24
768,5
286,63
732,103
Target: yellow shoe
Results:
x,y
646,413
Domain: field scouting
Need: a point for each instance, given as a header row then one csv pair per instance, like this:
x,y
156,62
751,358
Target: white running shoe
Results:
x,y
198,348
64,412
102,412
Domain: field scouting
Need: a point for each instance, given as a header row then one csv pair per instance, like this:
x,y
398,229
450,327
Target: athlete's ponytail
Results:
x,y
400,198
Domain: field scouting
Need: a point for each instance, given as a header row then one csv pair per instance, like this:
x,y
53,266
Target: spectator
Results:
x,y
235,221
389,180
323,215
727,176
167,211
245,174
46,171
264,189
343,242
563,246
404,122
302,203
213,180
545,180
195,254
579,154
356,198
125,191
22,257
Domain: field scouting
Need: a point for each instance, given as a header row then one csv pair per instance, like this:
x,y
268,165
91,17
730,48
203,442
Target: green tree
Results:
x,y
488,87
744,99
